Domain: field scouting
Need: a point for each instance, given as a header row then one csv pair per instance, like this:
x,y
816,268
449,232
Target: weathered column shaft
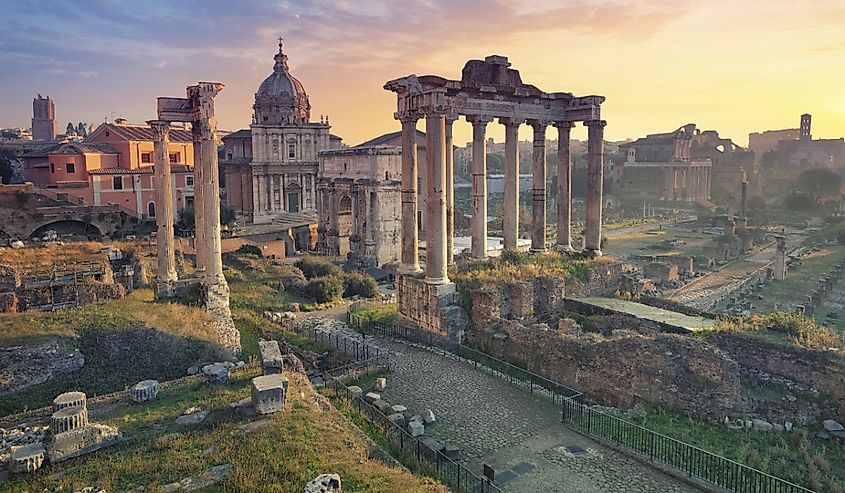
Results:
x,y
479,187
450,193
165,241
254,194
510,221
595,179
199,204
410,231
564,187
435,203
538,192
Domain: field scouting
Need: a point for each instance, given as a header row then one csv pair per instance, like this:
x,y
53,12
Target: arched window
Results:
x,y
151,210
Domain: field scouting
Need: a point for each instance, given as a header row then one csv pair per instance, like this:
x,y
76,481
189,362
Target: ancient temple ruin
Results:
x,y
488,90
198,110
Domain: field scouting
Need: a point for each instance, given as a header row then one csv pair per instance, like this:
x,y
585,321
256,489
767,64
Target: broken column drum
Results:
x,y
69,399
488,90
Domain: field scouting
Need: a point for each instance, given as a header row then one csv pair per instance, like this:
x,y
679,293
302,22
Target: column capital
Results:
x,y
407,116
511,122
482,120
564,125
161,129
431,111
595,123
451,116
538,124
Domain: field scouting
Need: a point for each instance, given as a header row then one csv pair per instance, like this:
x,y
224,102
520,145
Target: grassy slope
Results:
x,y
301,443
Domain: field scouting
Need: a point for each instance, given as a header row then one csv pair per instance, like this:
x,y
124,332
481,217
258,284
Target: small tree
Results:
x,y
820,185
324,289
360,285
317,267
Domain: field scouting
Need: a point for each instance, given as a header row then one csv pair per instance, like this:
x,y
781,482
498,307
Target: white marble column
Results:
x,y
410,232
450,192
479,185
564,187
510,222
199,203
165,241
435,204
595,183
538,192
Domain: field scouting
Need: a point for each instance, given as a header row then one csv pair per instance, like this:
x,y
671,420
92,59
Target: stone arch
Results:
x,y
293,197
151,210
69,227
344,224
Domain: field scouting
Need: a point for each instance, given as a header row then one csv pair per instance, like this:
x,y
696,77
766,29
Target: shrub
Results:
x,y
361,285
324,289
317,267
513,257
249,250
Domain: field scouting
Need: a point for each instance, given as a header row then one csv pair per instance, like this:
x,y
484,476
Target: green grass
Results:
x,y
797,457
305,440
377,313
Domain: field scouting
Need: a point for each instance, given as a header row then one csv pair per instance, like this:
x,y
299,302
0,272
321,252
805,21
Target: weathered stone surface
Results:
x,y
371,397
192,417
69,399
271,357
355,391
324,483
27,458
208,478
68,418
428,417
382,406
269,393
397,419
761,425
218,372
244,406
81,441
831,425
398,408
252,427
380,385
25,367
145,390
415,428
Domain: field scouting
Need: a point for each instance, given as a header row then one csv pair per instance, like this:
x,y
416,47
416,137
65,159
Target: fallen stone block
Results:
x,y
271,357
218,372
145,390
382,406
398,408
192,417
433,446
380,385
397,419
371,397
269,393
27,458
452,452
428,417
324,483
252,427
831,425
761,425
355,392
208,478
81,441
415,428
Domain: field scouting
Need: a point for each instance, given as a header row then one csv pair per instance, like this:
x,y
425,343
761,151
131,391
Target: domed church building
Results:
x,y
271,168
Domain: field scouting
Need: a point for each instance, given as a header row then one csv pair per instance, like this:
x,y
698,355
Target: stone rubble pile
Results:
x,y
324,483
269,391
279,317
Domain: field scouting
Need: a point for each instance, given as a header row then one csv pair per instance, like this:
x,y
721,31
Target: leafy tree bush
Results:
x,y
514,257
820,185
249,250
317,267
324,289
360,285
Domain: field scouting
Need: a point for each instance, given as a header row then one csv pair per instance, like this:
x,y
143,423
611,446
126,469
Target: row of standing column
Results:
x,y
439,210
264,188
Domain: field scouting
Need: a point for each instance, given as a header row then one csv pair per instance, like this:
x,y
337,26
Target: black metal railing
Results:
x,y
360,351
655,447
400,331
410,450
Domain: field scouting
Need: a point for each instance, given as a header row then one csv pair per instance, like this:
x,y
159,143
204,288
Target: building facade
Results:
x,y
271,168
359,198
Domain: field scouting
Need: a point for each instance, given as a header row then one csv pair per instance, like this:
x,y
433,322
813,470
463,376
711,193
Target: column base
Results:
x,y
564,248
594,251
437,280
409,269
431,307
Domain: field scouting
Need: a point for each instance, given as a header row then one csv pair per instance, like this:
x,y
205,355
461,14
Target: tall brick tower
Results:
x,y
806,122
44,125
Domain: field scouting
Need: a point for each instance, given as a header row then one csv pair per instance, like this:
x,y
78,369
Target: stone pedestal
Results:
x,y
145,390
431,307
81,441
269,393
27,458
68,419
272,362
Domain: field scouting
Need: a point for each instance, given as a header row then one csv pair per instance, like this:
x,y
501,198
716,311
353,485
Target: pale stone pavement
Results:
x,y
496,423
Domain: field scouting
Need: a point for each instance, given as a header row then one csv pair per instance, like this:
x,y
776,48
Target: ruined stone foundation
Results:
x,y
217,304
432,307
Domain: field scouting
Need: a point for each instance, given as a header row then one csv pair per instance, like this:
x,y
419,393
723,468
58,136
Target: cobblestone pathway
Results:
x,y
496,423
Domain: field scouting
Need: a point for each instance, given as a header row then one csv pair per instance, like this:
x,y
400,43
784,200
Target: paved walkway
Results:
x,y
496,423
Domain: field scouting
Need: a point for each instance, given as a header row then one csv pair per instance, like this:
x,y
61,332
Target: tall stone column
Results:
x,y
538,192
410,263
450,192
479,186
254,195
207,132
595,183
510,222
564,187
435,203
199,203
165,240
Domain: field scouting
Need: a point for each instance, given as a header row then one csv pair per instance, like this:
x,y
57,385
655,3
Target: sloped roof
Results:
x,y
135,132
143,170
382,139
76,147
240,134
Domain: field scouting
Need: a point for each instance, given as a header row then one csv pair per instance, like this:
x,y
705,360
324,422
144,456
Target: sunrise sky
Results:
x,y
727,65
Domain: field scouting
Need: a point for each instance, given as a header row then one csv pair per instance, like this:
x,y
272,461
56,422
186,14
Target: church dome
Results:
x,y
281,98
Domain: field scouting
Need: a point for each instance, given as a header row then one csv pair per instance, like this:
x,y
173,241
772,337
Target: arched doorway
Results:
x,y
293,192
78,229
344,224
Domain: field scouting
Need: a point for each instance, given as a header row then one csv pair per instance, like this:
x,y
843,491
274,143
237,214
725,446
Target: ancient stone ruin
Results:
x,y
324,483
488,90
71,434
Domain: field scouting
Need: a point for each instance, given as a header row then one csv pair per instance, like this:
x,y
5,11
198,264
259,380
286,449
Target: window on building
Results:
x,y
174,157
52,168
146,157
291,151
117,183
70,168
151,210
189,181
